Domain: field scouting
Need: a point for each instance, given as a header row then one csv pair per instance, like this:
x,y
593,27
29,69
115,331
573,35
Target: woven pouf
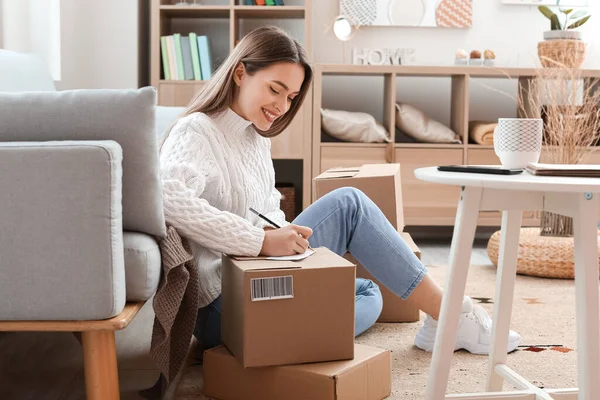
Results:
x,y
543,256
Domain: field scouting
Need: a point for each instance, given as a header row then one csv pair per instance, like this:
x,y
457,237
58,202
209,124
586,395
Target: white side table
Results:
x,y
512,194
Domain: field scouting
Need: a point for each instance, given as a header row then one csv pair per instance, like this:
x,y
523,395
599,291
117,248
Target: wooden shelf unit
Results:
x,y
295,142
424,203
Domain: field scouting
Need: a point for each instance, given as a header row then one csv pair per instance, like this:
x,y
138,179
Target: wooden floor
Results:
x,y
49,366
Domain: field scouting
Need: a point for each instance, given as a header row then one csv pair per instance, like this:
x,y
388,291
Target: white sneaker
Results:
x,y
474,332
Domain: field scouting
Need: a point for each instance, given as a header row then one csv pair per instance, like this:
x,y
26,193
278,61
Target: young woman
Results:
x,y
216,165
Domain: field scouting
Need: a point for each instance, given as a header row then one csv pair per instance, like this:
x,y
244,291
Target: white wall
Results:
x,y
99,42
512,31
33,26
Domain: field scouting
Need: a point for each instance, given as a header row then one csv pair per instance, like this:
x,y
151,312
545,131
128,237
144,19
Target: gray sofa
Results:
x,y
80,212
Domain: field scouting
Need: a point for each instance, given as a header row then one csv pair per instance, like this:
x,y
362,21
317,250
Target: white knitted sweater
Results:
x,y
213,169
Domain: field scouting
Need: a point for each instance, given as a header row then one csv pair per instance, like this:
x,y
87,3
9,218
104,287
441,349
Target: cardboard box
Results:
x,y
380,182
367,377
394,308
310,318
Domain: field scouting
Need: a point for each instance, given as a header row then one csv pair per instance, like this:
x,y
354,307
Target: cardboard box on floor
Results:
x,y
380,182
394,308
288,312
366,377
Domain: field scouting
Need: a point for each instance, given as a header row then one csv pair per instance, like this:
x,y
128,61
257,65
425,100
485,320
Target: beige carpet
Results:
x,y
543,313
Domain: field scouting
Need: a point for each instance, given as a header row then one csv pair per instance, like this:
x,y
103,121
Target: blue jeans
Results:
x,y
346,220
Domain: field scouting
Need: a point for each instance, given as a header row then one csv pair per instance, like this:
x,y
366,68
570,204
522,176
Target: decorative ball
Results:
x,y
489,55
475,54
460,53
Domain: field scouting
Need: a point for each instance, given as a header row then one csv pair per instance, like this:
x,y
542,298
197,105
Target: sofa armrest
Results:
x,y
61,235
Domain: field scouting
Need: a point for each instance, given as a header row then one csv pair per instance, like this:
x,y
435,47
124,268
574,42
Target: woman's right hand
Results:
x,y
286,241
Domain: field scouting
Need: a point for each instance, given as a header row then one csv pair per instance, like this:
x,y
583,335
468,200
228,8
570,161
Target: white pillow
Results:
x,y
352,126
165,115
416,124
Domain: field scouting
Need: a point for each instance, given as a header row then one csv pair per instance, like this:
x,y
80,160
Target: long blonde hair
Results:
x,y
259,49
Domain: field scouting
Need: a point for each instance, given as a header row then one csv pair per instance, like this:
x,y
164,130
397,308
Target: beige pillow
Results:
x,y
352,126
416,124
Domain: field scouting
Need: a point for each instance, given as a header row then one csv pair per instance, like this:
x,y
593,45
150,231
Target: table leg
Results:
x,y
586,295
503,302
460,257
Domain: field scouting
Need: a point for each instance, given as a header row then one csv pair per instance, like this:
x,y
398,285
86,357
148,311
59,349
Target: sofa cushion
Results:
x,y
126,116
142,265
61,246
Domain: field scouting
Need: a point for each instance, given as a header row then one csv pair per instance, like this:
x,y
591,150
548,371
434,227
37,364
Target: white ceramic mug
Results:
x,y
518,141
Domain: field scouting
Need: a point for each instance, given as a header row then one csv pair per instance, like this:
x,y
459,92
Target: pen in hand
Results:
x,y
271,222
265,218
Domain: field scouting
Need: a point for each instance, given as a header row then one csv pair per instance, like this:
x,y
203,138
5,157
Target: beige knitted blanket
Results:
x,y
175,305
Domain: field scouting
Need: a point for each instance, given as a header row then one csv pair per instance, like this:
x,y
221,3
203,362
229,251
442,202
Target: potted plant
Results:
x,y
563,45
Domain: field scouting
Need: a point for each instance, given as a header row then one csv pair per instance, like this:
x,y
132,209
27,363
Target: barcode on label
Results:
x,y
277,287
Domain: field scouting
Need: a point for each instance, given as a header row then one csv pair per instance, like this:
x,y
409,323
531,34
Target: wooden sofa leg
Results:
x,y
100,364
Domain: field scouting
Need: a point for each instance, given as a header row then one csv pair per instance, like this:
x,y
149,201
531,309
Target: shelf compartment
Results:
x,y
283,12
245,23
216,29
344,99
195,11
418,91
502,93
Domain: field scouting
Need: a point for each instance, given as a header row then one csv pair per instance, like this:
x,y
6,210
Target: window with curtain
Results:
x,y
33,26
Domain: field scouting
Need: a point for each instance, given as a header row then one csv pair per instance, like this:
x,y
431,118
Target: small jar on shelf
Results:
x,y
462,57
489,58
475,58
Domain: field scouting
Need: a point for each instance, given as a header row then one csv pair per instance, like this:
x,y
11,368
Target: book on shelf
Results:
x,y
205,57
179,56
188,66
165,57
195,56
186,57
270,2
172,61
564,170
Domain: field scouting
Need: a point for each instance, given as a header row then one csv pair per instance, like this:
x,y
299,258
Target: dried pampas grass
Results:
x,y
569,105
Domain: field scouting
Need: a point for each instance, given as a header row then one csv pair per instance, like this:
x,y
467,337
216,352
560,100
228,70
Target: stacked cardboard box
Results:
x,y
288,333
366,377
381,183
288,312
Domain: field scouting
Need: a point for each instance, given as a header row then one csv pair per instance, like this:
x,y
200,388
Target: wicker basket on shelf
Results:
x,y
288,200
567,53
542,256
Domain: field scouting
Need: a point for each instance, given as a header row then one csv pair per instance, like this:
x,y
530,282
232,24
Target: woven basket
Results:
x,y
562,53
288,200
542,256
